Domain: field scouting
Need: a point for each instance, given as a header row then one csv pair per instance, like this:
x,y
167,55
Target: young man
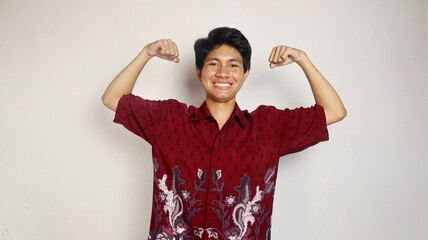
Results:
x,y
215,166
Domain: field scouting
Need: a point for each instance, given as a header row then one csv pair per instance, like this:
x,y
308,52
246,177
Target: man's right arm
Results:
x,y
124,82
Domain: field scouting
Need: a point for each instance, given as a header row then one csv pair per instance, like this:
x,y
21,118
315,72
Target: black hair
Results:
x,y
219,36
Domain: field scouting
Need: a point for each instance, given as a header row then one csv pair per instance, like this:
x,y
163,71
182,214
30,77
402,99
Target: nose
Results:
x,y
222,71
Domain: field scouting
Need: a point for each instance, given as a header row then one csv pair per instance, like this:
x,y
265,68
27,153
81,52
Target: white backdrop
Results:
x,y
67,172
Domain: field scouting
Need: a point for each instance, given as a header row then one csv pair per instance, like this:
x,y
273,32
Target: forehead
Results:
x,y
225,53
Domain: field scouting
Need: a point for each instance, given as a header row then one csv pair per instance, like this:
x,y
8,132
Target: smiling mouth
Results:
x,y
222,84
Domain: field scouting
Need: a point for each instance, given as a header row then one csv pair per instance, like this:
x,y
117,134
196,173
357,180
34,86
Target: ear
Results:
x,y
198,73
246,74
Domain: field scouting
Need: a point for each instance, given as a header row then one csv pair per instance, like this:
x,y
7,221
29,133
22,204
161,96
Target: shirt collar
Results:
x,y
203,112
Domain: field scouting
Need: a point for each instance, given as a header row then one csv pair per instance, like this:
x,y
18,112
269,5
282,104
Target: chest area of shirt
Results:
x,y
201,143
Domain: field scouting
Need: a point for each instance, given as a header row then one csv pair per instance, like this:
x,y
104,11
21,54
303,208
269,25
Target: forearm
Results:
x,y
324,94
124,82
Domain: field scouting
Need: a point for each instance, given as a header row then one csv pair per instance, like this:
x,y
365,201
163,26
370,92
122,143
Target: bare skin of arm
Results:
x,y
324,94
124,82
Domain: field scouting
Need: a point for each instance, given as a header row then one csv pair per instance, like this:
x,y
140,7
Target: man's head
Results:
x,y
222,64
223,36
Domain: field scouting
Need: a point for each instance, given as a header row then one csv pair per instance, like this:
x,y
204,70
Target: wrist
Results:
x,y
144,54
302,57
304,60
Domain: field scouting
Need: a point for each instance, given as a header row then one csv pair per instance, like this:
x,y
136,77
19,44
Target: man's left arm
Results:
x,y
323,92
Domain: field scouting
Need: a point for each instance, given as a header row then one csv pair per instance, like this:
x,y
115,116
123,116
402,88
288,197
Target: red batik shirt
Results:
x,y
211,183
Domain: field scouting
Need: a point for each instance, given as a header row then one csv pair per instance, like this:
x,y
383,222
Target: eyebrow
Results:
x,y
229,60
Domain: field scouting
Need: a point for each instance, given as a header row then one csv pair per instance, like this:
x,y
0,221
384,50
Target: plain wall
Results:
x,y
67,172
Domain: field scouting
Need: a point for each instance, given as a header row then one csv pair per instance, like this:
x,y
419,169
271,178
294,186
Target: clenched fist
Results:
x,y
282,55
163,48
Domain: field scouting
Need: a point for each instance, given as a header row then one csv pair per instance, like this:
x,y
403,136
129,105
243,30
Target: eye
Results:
x,y
234,65
212,64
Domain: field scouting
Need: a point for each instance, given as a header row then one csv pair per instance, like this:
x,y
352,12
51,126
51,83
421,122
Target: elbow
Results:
x,y
336,116
342,114
109,102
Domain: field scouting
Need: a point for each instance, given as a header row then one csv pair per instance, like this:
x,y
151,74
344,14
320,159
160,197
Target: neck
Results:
x,y
221,111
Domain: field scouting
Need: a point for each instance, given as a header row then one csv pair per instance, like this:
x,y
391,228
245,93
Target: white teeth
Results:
x,y
222,84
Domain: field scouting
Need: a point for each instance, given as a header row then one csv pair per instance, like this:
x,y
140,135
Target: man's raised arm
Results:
x,y
323,92
124,82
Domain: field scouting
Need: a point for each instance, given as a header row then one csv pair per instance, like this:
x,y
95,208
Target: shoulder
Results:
x,y
267,109
272,112
139,100
273,109
135,103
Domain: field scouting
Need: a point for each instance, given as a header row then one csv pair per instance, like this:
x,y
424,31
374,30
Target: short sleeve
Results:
x,y
141,116
299,128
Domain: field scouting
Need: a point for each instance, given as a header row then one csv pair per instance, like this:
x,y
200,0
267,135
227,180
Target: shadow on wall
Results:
x,y
193,89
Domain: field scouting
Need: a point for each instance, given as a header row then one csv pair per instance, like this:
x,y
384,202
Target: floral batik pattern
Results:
x,y
240,214
245,207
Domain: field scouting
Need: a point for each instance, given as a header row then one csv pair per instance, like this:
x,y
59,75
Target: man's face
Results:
x,y
222,74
